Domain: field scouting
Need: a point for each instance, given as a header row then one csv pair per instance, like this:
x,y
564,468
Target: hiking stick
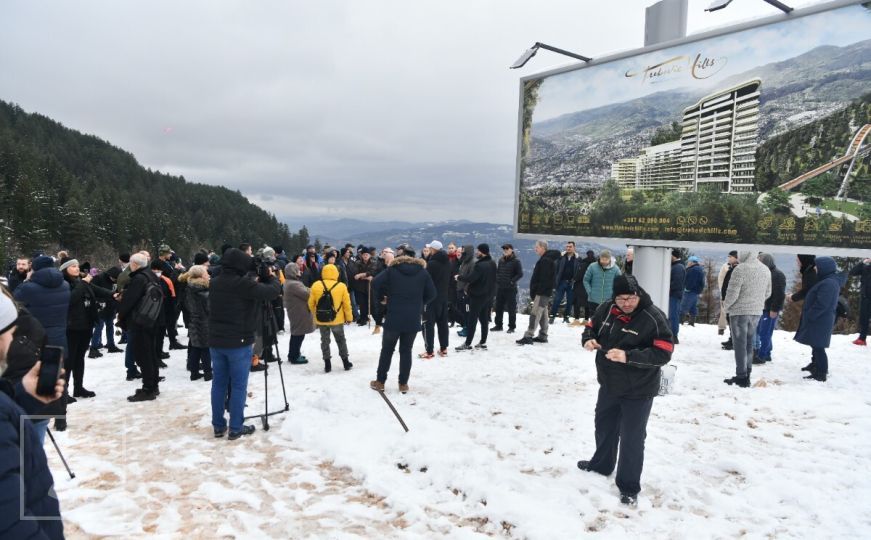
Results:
x,y
392,408
369,309
56,447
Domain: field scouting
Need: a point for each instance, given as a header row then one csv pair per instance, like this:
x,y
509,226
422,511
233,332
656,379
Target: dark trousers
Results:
x,y
159,334
171,321
621,421
199,358
78,342
506,300
389,339
363,305
436,315
579,302
820,361
462,308
479,311
591,308
563,289
379,311
864,316
142,342
295,345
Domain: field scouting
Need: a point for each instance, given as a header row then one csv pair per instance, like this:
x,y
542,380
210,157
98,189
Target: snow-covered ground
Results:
x,y
493,442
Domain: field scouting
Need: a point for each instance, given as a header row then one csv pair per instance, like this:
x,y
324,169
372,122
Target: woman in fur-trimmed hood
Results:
x,y
197,304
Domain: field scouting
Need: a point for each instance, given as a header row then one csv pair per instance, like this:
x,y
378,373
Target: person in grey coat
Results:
x,y
301,321
749,287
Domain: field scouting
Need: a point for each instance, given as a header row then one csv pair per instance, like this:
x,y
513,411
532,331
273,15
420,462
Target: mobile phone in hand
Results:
x,y
52,359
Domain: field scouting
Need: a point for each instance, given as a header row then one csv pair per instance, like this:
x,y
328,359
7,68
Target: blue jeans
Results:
x,y
674,314
230,368
764,331
40,427
97,338
563,289
690,303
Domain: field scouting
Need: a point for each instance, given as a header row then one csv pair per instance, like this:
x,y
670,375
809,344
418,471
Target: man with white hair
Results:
x,y
140,334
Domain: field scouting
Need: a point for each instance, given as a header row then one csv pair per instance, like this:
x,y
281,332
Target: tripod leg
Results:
x,y
281,376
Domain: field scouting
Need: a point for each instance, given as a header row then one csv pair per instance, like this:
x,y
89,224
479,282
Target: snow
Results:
x,y
493,441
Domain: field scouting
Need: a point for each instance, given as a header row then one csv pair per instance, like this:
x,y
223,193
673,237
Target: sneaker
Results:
x,y
443,352
83,393
93,352
246,430
481,346
378,386
219,432
540,339
525,341
176,346
133,376
142,395
496,329
628,499
426,355
859,341
463,347
114,349
403,388
195,376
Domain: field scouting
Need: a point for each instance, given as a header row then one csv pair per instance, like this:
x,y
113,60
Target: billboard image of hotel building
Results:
x,y
717,147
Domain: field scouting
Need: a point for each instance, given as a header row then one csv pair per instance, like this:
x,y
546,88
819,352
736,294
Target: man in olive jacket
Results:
x,y
632,341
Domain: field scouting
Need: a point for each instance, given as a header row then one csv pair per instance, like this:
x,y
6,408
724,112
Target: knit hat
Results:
x,y
41,262
676,253
435,244
164,249
124,258
605,253
67,262
201,258
8,313
733,253
214,260
484,248
625,284
507,246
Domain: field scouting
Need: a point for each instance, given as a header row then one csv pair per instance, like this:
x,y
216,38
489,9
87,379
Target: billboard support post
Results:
x,y
664,21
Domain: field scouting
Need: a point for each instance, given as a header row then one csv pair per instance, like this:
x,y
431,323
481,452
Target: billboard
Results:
x,y
758,134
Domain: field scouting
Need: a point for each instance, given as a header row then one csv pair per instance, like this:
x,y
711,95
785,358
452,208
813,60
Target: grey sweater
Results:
x,y
749,286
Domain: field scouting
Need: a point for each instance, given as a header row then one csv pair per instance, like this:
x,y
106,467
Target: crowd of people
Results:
x,y
235,302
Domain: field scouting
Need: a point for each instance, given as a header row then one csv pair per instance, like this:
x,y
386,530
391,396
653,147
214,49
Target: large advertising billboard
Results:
x,y
759,134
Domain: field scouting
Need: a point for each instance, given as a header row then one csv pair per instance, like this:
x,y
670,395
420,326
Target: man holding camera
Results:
x,y
234,298
632,341
28,504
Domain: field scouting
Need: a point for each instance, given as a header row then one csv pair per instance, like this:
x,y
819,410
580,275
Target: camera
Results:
x,y
262,262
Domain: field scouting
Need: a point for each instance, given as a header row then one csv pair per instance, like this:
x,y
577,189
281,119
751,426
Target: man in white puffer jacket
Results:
x,y
749,287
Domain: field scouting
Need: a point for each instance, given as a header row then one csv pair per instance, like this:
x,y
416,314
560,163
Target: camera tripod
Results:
x,y
269,329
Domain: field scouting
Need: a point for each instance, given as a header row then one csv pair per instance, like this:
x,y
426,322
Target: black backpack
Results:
x,y
324,310
148,310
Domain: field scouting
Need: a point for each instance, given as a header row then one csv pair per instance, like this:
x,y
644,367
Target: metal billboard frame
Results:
x,y
717,32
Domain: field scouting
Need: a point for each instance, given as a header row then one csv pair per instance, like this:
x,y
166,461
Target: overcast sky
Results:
x,y
370,109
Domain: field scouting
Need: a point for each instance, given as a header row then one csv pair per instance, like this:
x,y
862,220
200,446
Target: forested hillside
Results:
x,y
61,188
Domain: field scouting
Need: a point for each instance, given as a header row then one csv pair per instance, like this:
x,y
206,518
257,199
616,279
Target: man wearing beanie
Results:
x,y
481,284
675,292
25,478
632,341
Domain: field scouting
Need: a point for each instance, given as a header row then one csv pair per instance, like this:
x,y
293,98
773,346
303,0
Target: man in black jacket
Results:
x,y
18,275
141,337
481,290
863,270
235,297
632,341
675,292
772,309
508,273
106,315
540,291
580,297
563,281
436,312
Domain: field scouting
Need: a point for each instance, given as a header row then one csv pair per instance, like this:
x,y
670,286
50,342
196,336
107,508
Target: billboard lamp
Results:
x,y
524,58
720,4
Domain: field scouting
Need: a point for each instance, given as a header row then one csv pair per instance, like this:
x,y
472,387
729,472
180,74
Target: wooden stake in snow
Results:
x,y
392,408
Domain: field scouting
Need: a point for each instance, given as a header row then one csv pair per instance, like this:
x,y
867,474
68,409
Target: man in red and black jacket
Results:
x,y
632,340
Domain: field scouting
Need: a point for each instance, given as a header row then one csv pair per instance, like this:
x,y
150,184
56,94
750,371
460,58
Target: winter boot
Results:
x,y
93,352
246,430
817,376
540,339
196,375
60,424
809,367
174,345
378,386
629,499
376,330
83,392
328,367
727,345
207,376
463,347
692,320
496,329
347,364
525,341
403,388
114,349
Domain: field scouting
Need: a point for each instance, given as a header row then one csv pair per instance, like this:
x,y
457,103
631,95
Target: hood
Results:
x,y
50,278
236,259
291,271
747,256
552,254
825,266
408,265
330,272
468,254
197,282
767,260
440,256
806,261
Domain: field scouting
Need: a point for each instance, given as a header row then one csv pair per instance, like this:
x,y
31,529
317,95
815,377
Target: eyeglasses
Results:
x,y
626,299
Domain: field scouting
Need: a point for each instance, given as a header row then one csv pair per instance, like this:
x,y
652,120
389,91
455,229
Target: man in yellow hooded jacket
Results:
x,y
330,284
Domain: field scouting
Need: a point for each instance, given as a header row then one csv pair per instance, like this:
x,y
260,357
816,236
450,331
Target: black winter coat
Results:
x,y
808,280
864,272
541,283
408,288
585,263
27,342
15,279
678,280
509,272
439,269
778,286
482,280
108,308
561,263
646,337
84,308
235,299
358,267
133,293
196,301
